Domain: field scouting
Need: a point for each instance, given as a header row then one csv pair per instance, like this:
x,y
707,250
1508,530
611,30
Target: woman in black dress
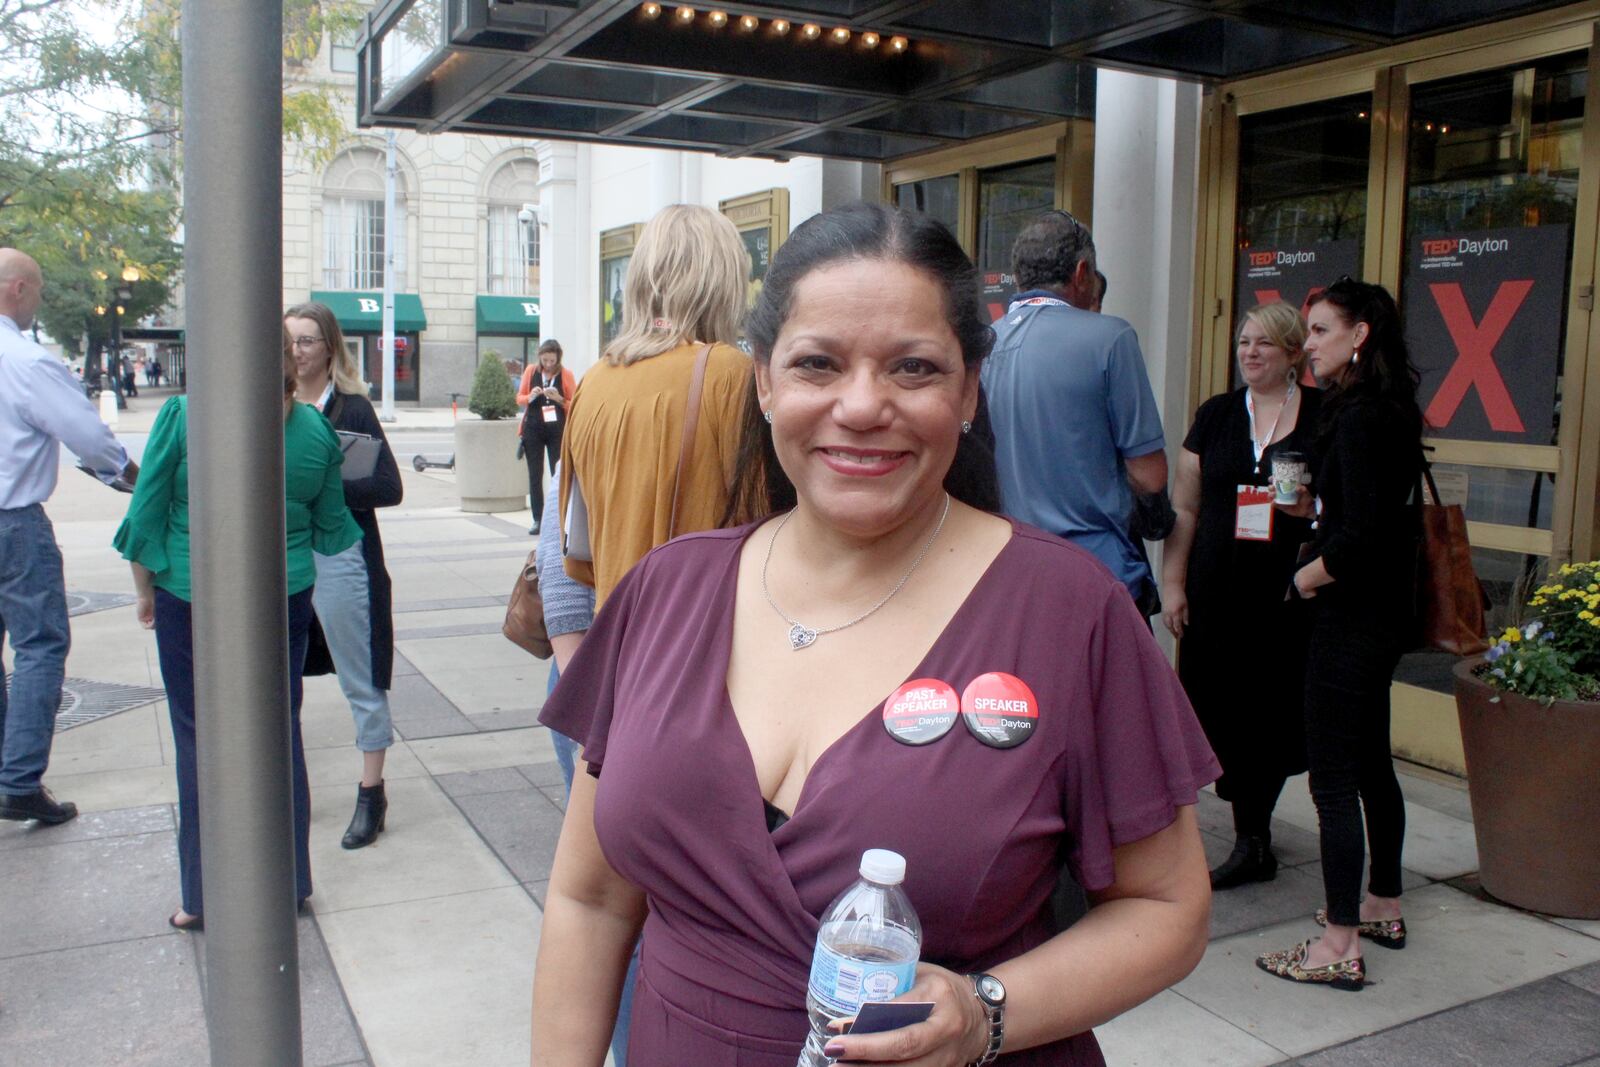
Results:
x,y
1360,584
1226,569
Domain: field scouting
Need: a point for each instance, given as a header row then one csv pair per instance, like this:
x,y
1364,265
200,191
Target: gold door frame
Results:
x,y
1070,144
767,210
1424,726
614,243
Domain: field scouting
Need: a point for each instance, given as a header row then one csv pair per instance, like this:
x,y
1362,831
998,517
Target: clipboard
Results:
x,y
360,454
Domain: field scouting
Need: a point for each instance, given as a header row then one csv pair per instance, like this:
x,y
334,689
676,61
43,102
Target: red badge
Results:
x,y
921,711
1000,710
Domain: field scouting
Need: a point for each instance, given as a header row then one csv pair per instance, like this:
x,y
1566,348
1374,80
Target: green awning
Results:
x,y
360,312
508,314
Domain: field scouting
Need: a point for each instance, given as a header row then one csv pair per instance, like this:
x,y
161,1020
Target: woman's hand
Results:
x,y
1305,583
144,609
1304,506
1174,609
955,1034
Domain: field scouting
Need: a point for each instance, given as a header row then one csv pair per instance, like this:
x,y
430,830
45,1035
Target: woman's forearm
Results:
x,y
1175,550
1123,952
143,579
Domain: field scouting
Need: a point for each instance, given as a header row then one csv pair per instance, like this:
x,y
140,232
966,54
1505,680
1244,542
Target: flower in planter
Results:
x,y
1555,655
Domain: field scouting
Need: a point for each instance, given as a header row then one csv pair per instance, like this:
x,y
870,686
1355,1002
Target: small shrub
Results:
x,y
492,396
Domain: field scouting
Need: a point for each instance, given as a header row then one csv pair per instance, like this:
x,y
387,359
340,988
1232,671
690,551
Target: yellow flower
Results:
x,y
1593,588
1586,615
1537,602
1512,635
1595,622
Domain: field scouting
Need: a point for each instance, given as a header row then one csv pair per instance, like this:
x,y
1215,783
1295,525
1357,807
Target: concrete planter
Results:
x,y
489,476
1535,804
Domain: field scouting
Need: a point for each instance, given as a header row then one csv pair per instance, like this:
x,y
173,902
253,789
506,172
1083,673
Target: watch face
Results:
x,y
991,990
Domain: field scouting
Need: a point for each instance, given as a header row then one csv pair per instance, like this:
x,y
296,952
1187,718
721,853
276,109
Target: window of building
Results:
x,y
511,246
353,237
342,52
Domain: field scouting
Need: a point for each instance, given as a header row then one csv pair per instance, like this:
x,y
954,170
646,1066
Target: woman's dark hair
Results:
x,y
862,231
1384,371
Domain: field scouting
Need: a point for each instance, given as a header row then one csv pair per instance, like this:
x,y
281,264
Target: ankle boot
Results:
x,y
1251,861
367,823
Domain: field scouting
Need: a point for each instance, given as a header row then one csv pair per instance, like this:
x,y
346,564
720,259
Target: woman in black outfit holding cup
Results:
x,y
1359,581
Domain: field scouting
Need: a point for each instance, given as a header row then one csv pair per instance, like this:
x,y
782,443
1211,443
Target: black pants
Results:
x,y
1254,797
1352,659
543,440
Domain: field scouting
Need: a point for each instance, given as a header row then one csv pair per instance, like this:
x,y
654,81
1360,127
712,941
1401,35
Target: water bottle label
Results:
x,y
842,984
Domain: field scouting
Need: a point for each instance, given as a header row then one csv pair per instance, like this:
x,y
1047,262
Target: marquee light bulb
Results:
x,y
652,10
841,35
780,26
869,39
718,19
685,14
898,44
748,23
811,31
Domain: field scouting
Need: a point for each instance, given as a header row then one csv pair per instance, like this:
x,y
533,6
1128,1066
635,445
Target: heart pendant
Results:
x,y
800,637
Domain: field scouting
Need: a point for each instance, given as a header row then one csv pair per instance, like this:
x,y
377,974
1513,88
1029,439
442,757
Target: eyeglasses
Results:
x,y
307,342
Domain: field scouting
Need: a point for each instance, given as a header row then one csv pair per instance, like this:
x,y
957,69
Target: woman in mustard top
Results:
x,y
154,538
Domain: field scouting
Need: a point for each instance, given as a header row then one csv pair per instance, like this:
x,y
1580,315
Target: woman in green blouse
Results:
x,y
154,538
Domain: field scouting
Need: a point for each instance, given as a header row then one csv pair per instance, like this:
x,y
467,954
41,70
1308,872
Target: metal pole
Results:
x,y
388,279
233,197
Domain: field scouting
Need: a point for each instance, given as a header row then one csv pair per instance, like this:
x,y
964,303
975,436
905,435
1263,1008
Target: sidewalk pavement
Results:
x,y
419,950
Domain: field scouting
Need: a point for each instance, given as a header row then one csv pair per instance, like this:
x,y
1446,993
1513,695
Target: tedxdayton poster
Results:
x,y
1292,275
1483,313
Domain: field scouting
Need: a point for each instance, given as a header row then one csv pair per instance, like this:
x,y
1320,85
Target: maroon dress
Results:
x,y
734,908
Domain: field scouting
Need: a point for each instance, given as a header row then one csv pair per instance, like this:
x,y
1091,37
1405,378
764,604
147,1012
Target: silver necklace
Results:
x,y
802,636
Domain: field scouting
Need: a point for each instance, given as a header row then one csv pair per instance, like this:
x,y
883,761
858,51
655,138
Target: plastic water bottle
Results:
x,y
867,950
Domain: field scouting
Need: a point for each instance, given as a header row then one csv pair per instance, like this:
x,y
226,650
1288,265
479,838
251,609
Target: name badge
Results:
x,y
1253,513
548,412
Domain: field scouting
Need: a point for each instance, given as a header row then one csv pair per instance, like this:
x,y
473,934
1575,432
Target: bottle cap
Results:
x,y
882,866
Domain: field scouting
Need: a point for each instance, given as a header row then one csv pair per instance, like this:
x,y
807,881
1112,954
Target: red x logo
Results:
x,y
1475,366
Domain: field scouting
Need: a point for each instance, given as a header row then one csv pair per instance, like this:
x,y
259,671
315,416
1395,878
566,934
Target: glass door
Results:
x,y
1491,193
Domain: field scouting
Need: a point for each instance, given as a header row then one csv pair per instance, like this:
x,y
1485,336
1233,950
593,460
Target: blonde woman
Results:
x,y
353,632
1223,580
685,289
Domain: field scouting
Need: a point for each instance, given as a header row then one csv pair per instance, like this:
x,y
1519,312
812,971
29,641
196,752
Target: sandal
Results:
x,y
1390,933
1289,964
195,924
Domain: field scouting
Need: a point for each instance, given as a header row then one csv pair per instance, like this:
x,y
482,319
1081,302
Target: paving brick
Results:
x,y
1544,1024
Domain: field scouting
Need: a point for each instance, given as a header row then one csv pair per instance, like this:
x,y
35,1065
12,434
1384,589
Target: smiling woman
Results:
x,y
752,751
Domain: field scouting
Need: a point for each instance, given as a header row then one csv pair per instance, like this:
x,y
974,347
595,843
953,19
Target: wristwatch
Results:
x,y
991,996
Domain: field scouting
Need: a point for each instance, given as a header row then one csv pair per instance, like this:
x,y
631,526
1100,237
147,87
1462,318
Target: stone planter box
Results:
x,y
489,476
1533,774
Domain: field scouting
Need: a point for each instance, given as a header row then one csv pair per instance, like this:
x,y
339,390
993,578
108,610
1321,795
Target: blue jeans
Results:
x,y
566,754
33,610
343,609
175,646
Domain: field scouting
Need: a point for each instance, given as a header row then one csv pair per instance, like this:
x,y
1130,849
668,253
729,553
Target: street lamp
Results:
x,y
123,294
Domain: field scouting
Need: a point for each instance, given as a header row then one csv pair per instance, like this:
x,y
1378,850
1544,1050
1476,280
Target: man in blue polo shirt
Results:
x,y
1078,439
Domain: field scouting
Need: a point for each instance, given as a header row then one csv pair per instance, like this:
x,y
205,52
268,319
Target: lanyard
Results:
x,y
1032,300
1259,447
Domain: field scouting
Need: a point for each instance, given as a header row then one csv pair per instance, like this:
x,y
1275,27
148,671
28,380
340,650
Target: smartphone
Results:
x,y
876,1017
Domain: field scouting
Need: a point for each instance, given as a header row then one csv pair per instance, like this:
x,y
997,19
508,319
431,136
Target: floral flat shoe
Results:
x,y
1390,933
1289,964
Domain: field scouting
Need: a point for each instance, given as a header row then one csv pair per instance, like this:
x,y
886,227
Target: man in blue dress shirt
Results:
x,y
41,407
1078,442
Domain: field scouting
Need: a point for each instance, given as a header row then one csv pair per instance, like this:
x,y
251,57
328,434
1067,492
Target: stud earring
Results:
x,y
768,416
966,427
